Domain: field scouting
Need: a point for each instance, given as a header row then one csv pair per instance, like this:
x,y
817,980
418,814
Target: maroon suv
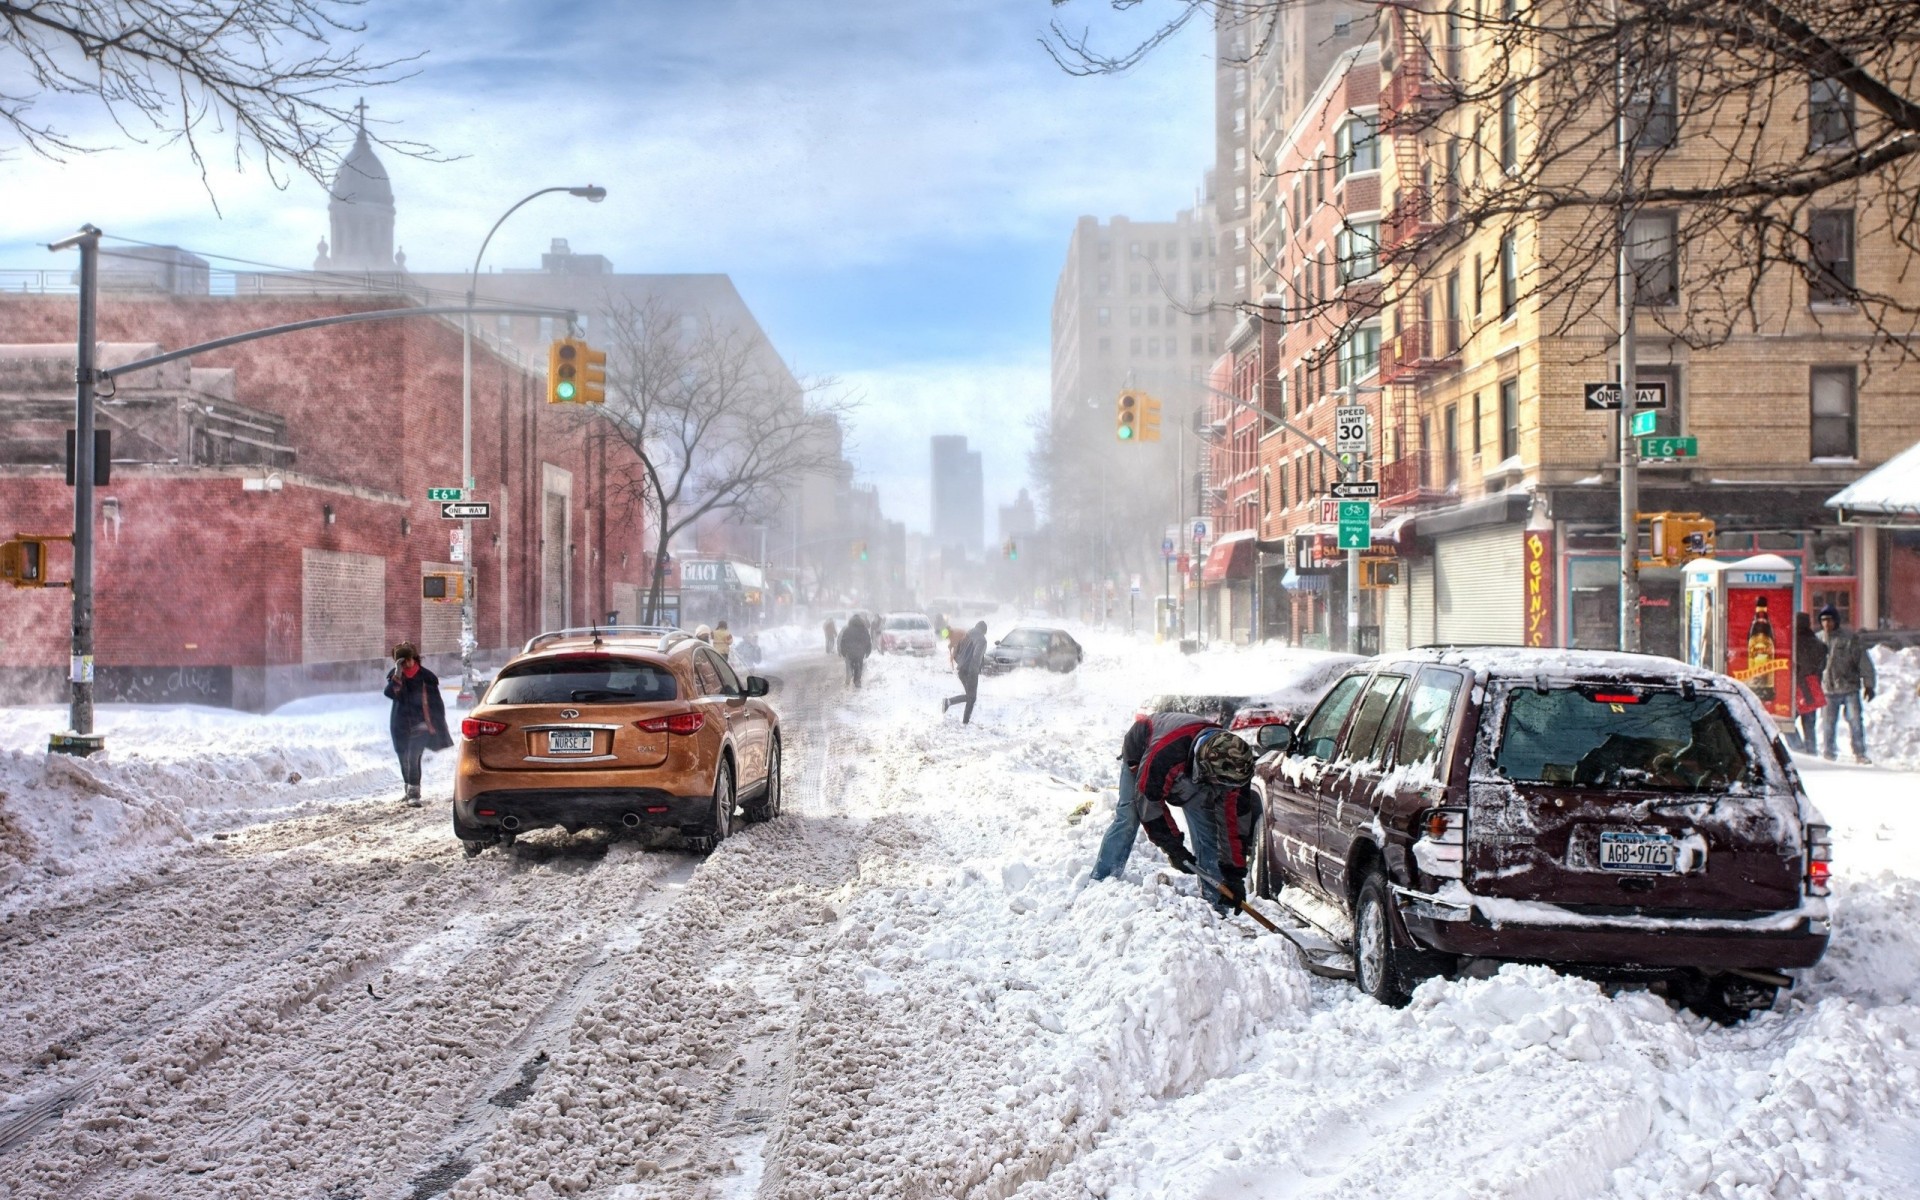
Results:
x,y
1619,816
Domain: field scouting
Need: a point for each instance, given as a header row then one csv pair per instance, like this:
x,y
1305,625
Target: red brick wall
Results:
x,y
374,413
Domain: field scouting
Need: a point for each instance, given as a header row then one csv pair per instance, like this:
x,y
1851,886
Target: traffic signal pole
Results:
x,y
1629,369
80,738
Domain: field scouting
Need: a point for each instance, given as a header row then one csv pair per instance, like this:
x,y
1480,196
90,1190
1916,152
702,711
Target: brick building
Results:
x,y
266,529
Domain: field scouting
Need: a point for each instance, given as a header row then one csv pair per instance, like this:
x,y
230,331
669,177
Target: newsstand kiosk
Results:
x,y
1740,623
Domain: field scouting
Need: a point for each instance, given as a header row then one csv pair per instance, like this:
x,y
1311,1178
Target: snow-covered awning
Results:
x,y
1887,495
1231,557
749,575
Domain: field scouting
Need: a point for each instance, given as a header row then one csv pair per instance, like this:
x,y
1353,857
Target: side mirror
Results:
x,y
756,686
1275,737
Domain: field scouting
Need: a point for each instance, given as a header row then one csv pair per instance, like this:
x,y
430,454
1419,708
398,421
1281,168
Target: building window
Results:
x,y
1829,115
1450,447
1509,129
1426,451
1359,355
1299,389
1239,159
1239,280
1133,346
1509,275
1133,316
1834,418
1106,250
1105,316
1106,283
1106,345
1475,439
1239,120
1239,237
1830,258
1357,250
1133,285
1479,292
1153,316
1357,145
1133,249
1651,251
1509,418
1450,337
1652,117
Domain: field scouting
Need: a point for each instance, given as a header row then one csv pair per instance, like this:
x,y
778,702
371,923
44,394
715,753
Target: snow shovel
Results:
x,y
1242,905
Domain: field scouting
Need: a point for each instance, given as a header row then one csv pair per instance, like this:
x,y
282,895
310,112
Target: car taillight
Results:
x,y
677,723
477,727
1255,719
1441,846
1819,859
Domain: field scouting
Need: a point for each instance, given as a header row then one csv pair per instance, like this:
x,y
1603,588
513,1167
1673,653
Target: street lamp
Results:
x,y
592,193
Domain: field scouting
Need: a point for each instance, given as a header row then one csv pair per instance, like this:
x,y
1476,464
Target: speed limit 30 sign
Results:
x,y
1352,429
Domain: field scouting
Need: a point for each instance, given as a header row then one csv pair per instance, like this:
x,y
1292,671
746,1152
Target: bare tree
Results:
x,y
264,72
718,430
1768,138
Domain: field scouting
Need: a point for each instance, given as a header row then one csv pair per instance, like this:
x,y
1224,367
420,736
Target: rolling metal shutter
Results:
x,y
1393,618
1420,604
1478,592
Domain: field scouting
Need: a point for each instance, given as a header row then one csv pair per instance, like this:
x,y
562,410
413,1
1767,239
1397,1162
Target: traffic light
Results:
x,y
1126,417
860,551
1012,551
593,375
445,586
1149,418
563,371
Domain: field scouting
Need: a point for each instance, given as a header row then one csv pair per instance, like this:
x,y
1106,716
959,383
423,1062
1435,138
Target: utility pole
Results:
x,y
80,738
1349,473
1629,368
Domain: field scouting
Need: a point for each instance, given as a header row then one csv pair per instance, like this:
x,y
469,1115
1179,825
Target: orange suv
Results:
x,y
616,727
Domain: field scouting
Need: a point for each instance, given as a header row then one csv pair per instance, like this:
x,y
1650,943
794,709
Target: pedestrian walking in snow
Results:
x,y
1848,680
418,722
967,661
704,633
855,644
722,640
1189,762
833,634
1809,697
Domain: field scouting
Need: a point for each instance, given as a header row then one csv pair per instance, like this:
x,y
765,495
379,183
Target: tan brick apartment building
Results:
x,y
1484,448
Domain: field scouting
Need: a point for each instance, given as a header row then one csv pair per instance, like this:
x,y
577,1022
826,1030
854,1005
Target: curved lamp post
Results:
x,y
594,194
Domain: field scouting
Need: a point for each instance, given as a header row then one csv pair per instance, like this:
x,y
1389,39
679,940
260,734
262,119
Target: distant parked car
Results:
x,y
1623,817
906,633
1294,690
1033,646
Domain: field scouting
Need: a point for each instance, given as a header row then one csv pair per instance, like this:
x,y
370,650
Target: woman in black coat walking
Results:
x,y
418,722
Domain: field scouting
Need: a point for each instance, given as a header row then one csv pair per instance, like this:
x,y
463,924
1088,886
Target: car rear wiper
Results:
x,y
600,694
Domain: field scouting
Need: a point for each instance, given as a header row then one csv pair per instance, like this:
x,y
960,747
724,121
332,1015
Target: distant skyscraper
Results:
x,y
959,496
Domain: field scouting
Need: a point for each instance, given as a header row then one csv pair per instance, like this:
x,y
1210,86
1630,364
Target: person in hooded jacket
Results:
x,y
968,659
855,644
418,721
1809,697
1848,679
1186,761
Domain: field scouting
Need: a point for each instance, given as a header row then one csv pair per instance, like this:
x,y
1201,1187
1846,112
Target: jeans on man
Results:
x,y
1117,844
1206,829
971,692
410,758
1837,702
1806,736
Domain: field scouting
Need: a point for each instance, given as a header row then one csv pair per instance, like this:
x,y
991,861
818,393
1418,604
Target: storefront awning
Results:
x,y
1231,558
1294,581
1888,495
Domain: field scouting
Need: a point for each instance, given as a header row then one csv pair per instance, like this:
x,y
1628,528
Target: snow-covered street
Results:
x,y
235,965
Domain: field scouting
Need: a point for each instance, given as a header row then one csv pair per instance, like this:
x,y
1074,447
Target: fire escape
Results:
x,y
1421,346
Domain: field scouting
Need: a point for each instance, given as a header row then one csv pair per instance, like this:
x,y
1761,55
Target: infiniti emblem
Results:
x,y
569,713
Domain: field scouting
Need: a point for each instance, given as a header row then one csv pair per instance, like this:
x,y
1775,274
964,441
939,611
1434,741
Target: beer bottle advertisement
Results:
x,y
1758,655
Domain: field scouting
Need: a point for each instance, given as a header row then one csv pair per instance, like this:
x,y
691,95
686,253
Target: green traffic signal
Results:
x,y
1125,433
564,389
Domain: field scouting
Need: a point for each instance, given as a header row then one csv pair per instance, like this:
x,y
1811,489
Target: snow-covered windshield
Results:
x,y
582,681
1626,737
909,621
1026,639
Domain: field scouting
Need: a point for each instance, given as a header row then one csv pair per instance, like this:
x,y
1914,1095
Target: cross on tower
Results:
x,y
361,109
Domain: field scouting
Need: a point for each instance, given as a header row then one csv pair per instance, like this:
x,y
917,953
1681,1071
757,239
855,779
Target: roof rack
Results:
x,y
596,632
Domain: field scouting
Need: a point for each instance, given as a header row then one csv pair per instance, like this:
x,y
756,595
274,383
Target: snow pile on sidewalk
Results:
x,y
1893,716
171,772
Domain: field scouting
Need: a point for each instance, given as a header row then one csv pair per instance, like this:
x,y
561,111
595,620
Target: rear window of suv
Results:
x,y
597,680
1621,737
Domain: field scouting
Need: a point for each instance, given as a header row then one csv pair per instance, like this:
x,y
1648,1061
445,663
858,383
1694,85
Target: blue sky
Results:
x,y
890,185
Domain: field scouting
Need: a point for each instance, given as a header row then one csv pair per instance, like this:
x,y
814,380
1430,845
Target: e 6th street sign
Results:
x,y
1605,397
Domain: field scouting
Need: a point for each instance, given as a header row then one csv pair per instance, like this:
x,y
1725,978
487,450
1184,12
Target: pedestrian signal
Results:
x,y
445,586
23,561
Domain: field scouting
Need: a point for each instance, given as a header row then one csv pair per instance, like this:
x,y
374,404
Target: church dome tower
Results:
x,y
360,209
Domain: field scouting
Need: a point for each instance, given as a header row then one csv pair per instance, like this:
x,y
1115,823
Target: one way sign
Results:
x,y
1355,489
1605,397
472,510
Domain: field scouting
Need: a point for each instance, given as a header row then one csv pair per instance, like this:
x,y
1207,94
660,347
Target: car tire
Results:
x,y
767,807
1262,883
473,839
1378,966
720,821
